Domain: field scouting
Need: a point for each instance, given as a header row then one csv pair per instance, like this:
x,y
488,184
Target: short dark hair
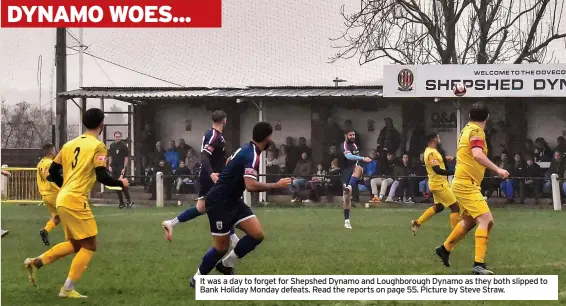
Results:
x,y
348,131
117,132
431,137
218,116
93,118
47,148
479,112
261,131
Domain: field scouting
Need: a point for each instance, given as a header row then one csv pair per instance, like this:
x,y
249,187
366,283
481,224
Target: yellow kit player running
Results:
x,y
438,185
471,161
83,161
48,190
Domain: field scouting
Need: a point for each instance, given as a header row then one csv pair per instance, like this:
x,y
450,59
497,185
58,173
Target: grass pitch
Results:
x,y
134,265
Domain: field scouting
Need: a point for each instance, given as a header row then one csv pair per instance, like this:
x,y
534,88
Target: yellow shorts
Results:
x,y
51,203
77,218
471,200
444,196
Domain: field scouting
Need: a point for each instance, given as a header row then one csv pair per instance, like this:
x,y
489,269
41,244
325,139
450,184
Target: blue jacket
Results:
x,y
173,157
371,168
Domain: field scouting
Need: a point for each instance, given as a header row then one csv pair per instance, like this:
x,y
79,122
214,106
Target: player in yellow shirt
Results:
x,y
48,190
471,161
438,185
83,161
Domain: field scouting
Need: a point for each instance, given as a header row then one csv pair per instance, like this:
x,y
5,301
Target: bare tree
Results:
x,y
25,125
451,31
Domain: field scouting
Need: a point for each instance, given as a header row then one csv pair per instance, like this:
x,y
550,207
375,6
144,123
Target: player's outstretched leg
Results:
x,y
58,251
485,223
213,256
427,214
254,236
187,215
51,224
457,234
78,267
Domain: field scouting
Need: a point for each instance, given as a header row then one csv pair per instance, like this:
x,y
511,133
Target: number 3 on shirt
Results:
x,y
76,160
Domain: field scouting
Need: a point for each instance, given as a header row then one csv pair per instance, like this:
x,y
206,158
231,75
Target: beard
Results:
x,y
351,140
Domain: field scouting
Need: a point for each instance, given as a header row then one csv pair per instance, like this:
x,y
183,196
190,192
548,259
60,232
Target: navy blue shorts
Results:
x,y
204,185
225,214
346,174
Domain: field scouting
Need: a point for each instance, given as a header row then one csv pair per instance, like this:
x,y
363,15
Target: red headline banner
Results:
x,y
111,13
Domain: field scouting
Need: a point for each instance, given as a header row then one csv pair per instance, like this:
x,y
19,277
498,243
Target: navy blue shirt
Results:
x,y
346,148
243,163
213,145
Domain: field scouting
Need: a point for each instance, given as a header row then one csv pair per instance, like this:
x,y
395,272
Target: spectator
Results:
x,y
389,138
561,147
164,167
157,155
348,125
293,155
274,165
191,160
118,160
303,171
333,134
499,138
371,168
182,175
183,148
415,139
334,172
379,184
283,156
529,148
303,147
556,166
330,156
532,170
420,171
542,151
508,185
172,156
496,182
402,185
147,140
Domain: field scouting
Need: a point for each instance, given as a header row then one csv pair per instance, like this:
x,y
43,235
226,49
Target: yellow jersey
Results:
x,y
79,157
467,168
45,187
432,159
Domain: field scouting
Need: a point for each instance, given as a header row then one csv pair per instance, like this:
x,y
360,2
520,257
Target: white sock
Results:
x,y
230,260
198,273
69,284
347,221
174,221
234,239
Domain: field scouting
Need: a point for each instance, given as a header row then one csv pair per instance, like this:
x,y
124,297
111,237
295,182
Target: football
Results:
x,y
459,89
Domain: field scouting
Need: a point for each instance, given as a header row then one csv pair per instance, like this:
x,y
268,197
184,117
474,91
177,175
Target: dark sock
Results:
x,y
346,214
188,214
353,181
120,198
127,194
232,231
246,245
209,261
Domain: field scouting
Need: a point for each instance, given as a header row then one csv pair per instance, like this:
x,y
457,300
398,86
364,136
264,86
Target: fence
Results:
x,y
21,187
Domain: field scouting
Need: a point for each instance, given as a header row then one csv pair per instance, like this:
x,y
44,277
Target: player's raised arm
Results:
x,y
99,162
477,143
348,154
55,170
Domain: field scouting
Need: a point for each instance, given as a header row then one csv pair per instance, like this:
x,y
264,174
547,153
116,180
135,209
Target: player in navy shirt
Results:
x,y
352,172
226,209
212,163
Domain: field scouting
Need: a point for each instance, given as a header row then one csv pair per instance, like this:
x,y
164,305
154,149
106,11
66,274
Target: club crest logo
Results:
x,y
218,225
405,79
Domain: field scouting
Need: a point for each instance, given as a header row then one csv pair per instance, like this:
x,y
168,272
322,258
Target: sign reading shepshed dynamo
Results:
x,y
505,80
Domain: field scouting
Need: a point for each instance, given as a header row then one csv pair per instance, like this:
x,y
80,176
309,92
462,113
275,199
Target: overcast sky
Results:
x,y
278,42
